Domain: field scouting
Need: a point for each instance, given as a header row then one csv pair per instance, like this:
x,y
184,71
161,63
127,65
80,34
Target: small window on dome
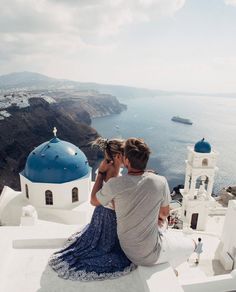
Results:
x,y
27,191
205,162
75,195
48,198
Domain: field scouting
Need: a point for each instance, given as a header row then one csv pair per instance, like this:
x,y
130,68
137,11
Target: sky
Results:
x,y
174,45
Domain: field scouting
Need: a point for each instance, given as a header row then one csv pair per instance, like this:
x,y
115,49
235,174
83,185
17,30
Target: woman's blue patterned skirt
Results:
x,y
93,253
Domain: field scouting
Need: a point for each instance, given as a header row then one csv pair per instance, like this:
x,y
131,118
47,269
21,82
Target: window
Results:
x,y
27,191
75,195
48,198
198,182
185,213
205,162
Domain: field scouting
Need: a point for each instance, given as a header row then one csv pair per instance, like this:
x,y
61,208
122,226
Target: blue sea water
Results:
x,y
214,118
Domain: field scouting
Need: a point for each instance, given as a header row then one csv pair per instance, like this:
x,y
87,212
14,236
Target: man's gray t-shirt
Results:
x,y
137,204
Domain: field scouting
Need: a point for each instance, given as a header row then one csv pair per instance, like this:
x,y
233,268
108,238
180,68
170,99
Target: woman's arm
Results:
x,y
96,187
105,172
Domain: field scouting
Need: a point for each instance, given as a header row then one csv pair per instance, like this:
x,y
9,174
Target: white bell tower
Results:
x,y
199,180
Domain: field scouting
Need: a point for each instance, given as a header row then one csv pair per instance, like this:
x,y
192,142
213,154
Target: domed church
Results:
x,y
199,180
56,175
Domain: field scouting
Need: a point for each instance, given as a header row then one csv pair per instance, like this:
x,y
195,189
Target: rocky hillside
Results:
x,y
24,128
32,104
93,102
35,81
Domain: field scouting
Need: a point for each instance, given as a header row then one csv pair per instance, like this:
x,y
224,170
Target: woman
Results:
x,y
95,252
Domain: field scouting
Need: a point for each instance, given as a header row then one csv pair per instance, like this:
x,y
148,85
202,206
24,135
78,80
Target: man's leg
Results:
x,y
198,258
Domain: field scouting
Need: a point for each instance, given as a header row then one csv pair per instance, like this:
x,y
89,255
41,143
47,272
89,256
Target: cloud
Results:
x,y
37,27
107,17
230,2
27,16
80,16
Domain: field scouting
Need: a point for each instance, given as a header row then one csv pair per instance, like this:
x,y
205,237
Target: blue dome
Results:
x,y
56,161
202,147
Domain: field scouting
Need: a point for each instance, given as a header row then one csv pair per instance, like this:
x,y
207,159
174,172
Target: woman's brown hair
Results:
x,y
109,146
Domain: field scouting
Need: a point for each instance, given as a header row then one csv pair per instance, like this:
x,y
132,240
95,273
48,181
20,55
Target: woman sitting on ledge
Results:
x,y
95,253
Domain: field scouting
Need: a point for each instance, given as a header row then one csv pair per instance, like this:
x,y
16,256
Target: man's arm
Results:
x,y
165,207
163,214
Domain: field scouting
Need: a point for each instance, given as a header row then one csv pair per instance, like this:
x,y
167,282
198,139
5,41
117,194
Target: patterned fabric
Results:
x,y
93,253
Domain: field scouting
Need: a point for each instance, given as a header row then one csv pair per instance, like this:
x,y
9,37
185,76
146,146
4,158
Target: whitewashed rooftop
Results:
x,y
24,256
19,99
25,250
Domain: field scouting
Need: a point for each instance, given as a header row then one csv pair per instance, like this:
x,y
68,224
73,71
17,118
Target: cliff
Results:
x,y
93,102
27,127
32,104
35,81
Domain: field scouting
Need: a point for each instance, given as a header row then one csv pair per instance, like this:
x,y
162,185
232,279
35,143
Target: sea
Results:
x,y
214,118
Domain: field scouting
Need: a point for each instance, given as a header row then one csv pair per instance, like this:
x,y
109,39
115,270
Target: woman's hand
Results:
x,y
104,165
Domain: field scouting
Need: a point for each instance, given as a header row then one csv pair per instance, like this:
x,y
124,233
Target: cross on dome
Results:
x,y
55,131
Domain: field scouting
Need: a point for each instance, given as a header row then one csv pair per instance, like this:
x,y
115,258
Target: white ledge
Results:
x,y
159,278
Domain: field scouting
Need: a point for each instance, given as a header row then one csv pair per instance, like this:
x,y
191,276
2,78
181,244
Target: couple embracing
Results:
x,y
126,228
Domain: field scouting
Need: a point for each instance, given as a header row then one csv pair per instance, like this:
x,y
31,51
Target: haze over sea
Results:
x,y
214,118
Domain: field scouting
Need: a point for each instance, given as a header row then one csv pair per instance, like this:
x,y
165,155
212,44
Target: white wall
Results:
x,y
6,196
228,237
62,193
11,207
195,169
196,206
224,283
196,158
63,216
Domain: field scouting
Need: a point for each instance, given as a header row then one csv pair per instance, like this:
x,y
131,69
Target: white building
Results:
x,y
56,180
227,253
199,179
40,230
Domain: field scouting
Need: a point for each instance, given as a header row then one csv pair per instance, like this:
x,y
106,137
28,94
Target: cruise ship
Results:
x,y
181,120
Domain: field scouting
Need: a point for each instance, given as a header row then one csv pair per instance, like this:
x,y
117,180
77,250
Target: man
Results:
x,y
141,201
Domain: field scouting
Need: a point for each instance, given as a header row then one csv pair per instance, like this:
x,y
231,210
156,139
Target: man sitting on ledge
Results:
x,y
141,199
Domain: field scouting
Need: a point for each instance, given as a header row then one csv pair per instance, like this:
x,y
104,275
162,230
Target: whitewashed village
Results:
x,y
54,203
19,100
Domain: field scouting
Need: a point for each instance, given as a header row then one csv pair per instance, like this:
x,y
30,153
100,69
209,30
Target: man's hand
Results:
x,y
161,221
